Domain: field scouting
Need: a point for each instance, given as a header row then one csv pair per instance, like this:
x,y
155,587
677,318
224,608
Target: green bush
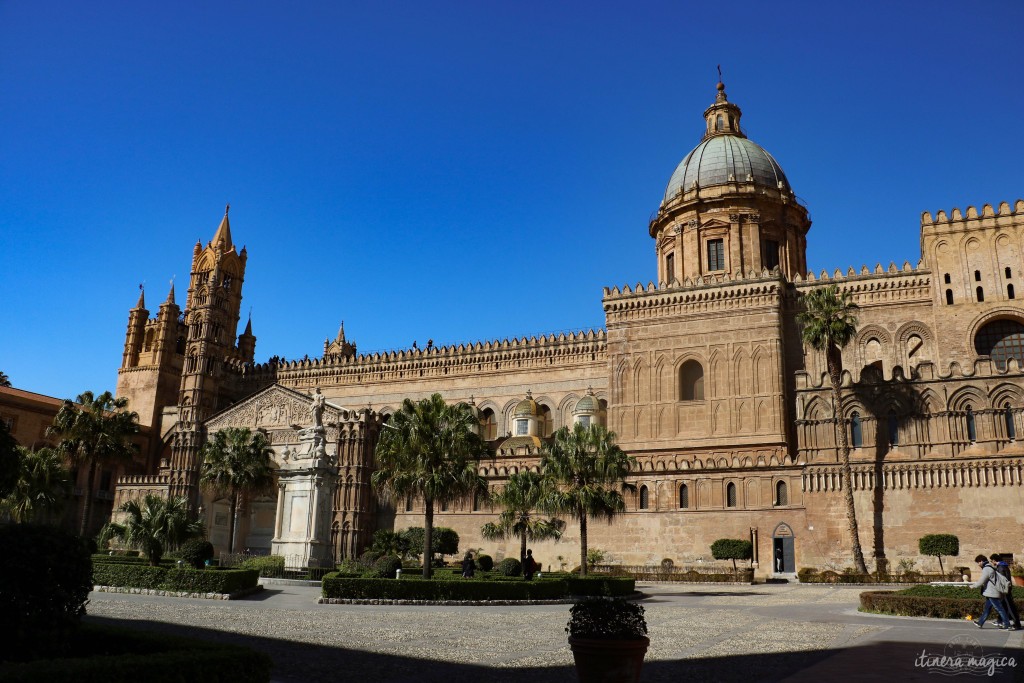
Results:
x,y
941,602
385,567
732,549
938,545
101,654
173,579
465,589
510,566
45,579
594,585
485,562
195,552
806,574
101,558
267,565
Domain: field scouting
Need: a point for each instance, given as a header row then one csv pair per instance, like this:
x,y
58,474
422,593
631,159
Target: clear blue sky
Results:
x,y
454,170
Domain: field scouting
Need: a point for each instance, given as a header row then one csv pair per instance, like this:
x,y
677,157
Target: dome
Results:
x,y
526,408
717,158
587,404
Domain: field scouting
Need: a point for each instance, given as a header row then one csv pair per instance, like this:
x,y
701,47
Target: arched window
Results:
x,y
546,422
894,429
476,501
980,291
856,438
1001,340
1011,428
488,425
719,122
644,498
1009,291
691,381
730,495
781,494
1009,273
949,297
684,497
670,268
408,503
972,427
977,276
945,278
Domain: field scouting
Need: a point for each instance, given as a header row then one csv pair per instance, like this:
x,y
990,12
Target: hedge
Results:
x,y
100,558
595,585
906,604
337,587
187,580
808,575
105,654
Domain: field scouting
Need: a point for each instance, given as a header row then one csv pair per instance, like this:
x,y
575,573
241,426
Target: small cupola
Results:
x,y
722,117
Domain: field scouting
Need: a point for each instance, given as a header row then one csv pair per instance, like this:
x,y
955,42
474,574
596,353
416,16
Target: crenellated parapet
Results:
x,y
562,349
692,296
988,218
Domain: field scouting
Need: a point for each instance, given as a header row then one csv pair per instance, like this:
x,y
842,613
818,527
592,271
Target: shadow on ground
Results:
x,y
308,663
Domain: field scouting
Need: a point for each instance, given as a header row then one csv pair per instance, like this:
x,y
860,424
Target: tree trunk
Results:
x,y
87,505
522,549
583,543
428,536
835,373
231,523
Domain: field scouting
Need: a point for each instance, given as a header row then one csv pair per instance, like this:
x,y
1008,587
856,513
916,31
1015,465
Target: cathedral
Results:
x,y
702,374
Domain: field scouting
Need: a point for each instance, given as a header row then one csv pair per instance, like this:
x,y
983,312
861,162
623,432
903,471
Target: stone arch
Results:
x,y
1006,392
663,387
751,493
968,396
719,376
817,409
743,372
761,371
622,383
640,382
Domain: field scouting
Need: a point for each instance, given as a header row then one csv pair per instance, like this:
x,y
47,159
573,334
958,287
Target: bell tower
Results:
x,y
211,320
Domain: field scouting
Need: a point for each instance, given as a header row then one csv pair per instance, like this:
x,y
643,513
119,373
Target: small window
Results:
x,y
716,255
730,495
781,494
684,497
894,429
691,381
719,122
488,425
981,294
856,437
771,254
972,427
522,427
476,501
945,278
670,268
584,420
1009,291
977,276
1009,273
645,501
408,503
949,297
1011,428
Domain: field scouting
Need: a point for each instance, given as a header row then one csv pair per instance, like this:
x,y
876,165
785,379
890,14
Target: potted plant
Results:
x,y
1017,574
608,638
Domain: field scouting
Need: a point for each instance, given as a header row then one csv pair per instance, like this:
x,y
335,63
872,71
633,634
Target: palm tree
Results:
x,y
237,464
829,323
429,449
95,433
523,493
43,486
5,381
153,525
583,464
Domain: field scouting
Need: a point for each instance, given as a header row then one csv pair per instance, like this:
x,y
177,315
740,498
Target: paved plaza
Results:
x,y
698,633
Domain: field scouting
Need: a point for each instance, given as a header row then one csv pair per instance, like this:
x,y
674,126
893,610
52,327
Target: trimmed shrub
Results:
x,y
101,654
45,579
938,545
173,579
195,551
128,575
385,567
594,585
100,558
806,574
335,586
941,602
267,565
732,549
485,562
510,566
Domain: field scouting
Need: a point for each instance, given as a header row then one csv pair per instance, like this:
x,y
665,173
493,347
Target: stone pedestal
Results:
x,y
306,486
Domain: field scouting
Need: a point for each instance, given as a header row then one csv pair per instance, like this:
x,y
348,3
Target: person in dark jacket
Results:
x,y
1009,605
468,565
993,598
530,566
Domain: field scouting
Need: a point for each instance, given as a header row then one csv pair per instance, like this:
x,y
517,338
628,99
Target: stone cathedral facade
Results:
x,y
702,375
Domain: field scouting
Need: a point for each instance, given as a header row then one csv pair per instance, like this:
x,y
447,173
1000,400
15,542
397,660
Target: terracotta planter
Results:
x,y
1018,580
608,661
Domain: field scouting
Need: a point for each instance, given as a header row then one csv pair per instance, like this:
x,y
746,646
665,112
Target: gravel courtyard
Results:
x,y
698,633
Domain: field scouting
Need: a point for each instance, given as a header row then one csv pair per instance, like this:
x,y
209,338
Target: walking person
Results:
x,y
993,598
1008,604
529,566
468,565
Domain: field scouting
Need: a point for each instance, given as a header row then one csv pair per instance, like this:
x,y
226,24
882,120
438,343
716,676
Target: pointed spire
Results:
x,y
341,333
248,325
170,294
723,117
223,234
142,296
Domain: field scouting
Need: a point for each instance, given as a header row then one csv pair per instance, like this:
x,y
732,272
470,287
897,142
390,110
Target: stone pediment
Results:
x,y
274,408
